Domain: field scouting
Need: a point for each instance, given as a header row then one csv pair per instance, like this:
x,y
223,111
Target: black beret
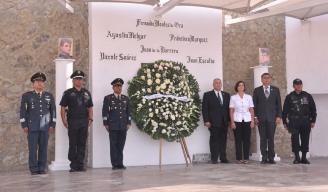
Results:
x,y
38,77
77,74
297,82
117,81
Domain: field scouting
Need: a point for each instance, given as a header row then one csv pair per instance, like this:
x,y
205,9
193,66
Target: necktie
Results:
x,y
266,92
218,96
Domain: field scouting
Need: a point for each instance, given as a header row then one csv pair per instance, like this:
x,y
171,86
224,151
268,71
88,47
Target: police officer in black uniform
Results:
x,y
77,102
38,118
299,116
116,114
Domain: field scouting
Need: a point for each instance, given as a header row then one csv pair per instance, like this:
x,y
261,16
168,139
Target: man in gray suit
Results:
x,y
267,106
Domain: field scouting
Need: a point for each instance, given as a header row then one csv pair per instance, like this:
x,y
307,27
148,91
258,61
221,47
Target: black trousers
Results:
x,y
242,139
300,128
117,141
37,146
77,135
218,143
267,130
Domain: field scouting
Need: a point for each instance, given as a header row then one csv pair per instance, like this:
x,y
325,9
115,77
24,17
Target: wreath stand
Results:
x,y
184,148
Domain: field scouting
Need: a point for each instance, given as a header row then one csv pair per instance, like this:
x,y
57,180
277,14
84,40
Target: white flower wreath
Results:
x,y
165,100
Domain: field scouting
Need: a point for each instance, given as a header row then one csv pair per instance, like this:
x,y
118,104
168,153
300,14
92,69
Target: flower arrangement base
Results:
x,y
184,148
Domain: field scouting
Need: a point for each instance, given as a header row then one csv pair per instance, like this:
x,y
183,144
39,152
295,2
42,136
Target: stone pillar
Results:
x,y
64,68
258,71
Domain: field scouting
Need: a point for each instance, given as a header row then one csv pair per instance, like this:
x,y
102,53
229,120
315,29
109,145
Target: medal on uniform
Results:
x,y
86,96
304,101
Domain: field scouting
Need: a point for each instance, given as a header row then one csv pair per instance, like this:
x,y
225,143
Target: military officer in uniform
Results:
x,y
299,116
116,114
77,116
38,118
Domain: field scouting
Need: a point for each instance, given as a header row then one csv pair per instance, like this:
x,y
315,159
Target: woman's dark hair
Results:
x,y
237,84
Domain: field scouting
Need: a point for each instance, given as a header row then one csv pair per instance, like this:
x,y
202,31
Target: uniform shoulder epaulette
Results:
x,y
109,96
70,89
28,93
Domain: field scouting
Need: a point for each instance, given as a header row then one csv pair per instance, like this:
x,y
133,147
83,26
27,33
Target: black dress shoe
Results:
x,y
82,169
34,173
224,161
271,161
305,161
296,161
73,170
42,172
115,168
121,167
264,161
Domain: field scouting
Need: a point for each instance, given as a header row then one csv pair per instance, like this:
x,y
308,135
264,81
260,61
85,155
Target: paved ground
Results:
x,y
253,177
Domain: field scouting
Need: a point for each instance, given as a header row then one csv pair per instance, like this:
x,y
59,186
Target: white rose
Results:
x,y
163,86
163,131
158,88
149,82
173,117
143,90
160,68
149,90
158,75
158,81
150,109
155,66
162,124
148,76
148,70
151,115
156,111
143,77
179,123
154,123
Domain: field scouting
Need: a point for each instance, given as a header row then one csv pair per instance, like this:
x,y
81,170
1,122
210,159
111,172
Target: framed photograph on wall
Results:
x,y
65,48
264,56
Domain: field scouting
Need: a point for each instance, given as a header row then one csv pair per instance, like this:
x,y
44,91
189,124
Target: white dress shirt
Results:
x,y
241,107
267,89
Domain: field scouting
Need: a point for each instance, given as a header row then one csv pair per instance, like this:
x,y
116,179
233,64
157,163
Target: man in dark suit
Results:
x,y
215,108
267,106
